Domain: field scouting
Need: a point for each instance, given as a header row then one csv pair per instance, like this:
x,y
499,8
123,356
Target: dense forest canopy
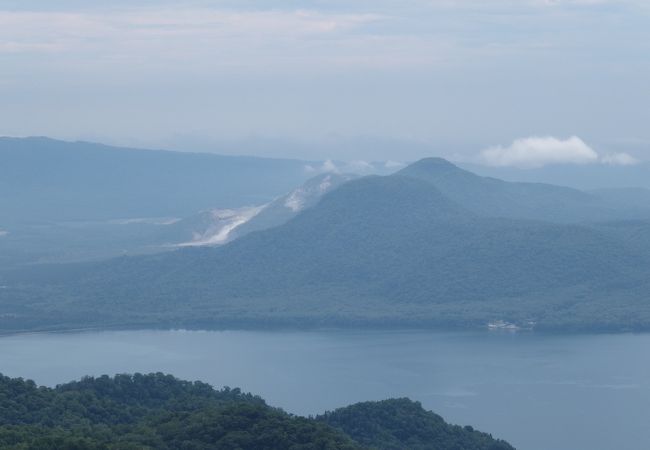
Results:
x,y
431,246
158,411
377,251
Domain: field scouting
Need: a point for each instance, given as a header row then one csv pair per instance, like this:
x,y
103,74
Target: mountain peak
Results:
x,y
432,161
427,167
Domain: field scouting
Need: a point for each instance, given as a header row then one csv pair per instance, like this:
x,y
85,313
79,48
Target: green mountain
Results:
x,y
534,201
377,251
402,424
290,205
158,411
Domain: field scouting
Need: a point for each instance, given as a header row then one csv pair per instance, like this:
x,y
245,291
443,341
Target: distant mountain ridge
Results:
x,y
43,179
578,176
79,201
534,201
377,251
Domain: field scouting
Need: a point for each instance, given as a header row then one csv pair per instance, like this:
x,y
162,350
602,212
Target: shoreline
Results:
x,y
486,330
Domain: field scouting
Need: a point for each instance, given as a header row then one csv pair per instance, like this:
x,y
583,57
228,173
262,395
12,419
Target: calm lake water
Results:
x,y
538,392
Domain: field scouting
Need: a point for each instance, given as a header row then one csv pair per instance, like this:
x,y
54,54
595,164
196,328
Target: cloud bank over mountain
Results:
x,y
534,152
440,76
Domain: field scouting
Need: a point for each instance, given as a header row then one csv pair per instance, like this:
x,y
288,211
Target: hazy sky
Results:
x,y
373,79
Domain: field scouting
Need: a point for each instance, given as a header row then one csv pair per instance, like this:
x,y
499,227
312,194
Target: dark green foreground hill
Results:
x,y
158,411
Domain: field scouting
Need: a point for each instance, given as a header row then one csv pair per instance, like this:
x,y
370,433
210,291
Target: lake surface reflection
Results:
x,y
539,392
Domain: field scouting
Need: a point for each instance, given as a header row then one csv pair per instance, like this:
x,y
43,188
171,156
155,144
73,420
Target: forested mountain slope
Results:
x,y
492,197
402,424
378,251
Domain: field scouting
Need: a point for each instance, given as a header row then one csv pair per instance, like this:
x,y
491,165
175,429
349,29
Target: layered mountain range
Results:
x,y
43,179
79,201
430,246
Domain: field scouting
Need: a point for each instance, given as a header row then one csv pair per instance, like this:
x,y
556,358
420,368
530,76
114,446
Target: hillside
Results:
x,y
43,179
378,251
158,411
534,201
402,424
579,176
218,226
86,240
68,202
288,206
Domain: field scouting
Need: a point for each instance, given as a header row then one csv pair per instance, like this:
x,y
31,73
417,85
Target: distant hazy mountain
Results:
x,y
630,198
52,242
390,250
536,201
56,241
47,180
586,176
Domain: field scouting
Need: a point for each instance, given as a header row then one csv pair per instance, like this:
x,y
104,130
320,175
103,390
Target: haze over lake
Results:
x,y
281,225
539,391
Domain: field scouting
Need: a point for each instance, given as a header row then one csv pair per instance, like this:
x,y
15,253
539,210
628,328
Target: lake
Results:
x,y
539,392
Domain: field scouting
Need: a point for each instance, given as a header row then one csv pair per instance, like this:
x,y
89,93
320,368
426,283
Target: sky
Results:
x,y
520,83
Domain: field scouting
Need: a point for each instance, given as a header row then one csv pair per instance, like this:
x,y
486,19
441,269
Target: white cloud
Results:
x,y
591,2
171,35
142,71
329,166
3,233
390,164
619,159
534,152
359,167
